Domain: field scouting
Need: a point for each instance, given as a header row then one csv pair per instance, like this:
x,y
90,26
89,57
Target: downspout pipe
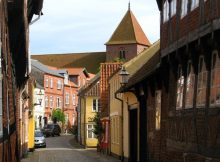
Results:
x,y
122,126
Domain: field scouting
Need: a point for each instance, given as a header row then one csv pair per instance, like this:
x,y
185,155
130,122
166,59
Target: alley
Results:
x,y
65,149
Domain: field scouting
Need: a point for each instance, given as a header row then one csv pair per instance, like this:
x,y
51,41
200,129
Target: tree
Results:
x,y
58,116
98,129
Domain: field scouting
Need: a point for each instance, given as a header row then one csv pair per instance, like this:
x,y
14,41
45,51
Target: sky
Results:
x,y
76,26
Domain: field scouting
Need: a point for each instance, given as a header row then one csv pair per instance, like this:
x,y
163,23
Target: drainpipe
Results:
x,y
122,126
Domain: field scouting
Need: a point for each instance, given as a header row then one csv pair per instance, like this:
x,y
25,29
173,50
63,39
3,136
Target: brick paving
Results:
x,y
65,149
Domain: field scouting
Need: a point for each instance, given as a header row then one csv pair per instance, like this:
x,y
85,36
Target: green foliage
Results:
x,y
117,59
58,116
98,129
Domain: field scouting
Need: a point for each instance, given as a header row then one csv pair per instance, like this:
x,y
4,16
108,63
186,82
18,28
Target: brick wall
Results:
x,y
107,69
177,27
131,50
54,92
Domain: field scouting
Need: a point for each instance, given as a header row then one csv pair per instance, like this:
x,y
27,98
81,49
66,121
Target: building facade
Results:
x,y
89,104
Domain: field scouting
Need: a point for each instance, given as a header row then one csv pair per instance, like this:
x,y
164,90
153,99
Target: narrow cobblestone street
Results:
x,y
65,149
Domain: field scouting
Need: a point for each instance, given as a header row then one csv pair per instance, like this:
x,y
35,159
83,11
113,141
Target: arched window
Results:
x,y
202,83
180,88
215,81
190,82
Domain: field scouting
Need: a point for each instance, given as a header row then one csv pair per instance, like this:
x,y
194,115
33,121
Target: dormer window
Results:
x,y
173,7
184,8
165,11
194,4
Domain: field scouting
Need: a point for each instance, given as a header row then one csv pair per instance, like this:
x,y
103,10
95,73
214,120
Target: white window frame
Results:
x,y
214,73
194,4
201,77
46,101
74,99
47,82
51,101
95,107
66,118
90,129
67,99
51,82
59,102
59,84
173,7
184,8
165,11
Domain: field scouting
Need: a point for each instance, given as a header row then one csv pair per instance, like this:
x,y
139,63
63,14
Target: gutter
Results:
x,y
122,126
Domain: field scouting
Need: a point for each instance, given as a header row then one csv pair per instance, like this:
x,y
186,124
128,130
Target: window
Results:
x,y
79,81
1,114
158,109
180,88
202,82
194,4
173,7
67,98
51,101
74,99
59,102
184,8
190,81
95,105
46,101
90,128
66,118
122,54
51,82
59,84
215,81
47,82
165,11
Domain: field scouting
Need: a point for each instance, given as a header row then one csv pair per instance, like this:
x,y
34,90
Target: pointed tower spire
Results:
x,y
129,5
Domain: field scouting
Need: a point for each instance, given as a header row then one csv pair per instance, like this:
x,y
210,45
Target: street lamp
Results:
x,y
124,76
40,94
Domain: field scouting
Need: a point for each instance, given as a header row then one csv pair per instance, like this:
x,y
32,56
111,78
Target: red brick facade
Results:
x,y
131,50
189,133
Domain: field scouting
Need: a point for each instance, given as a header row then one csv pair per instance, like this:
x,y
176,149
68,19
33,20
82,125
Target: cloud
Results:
x,y
85,25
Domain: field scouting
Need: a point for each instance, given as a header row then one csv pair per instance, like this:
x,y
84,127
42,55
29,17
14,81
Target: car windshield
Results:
x,y
38,134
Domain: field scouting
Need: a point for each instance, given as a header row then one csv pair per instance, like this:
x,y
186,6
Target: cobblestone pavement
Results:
x,y
65,149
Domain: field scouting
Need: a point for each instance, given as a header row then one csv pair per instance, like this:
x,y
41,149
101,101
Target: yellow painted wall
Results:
x,y
90,142
31,128
115,116
82,117
116,135
130,102
86,118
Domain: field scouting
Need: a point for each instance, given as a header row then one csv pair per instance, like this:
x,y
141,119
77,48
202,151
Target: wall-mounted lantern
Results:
x,y
40,98
123,76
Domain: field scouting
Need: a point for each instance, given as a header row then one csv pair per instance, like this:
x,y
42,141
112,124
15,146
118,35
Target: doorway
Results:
x,y
133,135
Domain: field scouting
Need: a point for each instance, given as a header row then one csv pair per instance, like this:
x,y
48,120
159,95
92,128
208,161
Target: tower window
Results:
x,y
122,54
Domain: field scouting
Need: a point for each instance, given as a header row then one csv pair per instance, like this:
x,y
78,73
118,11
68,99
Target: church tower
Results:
x,y
127,41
